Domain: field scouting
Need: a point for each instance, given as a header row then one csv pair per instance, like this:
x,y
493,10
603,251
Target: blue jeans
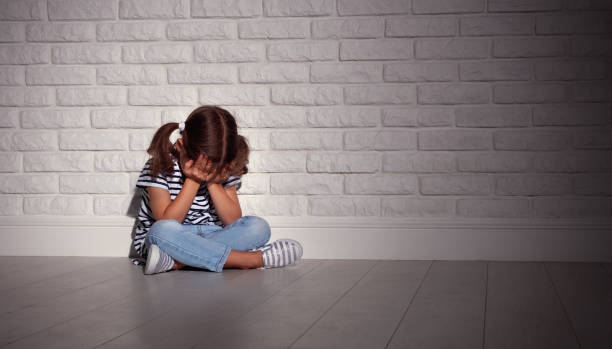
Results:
x,y
208,246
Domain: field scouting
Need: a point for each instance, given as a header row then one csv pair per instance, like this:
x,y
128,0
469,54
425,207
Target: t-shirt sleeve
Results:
x,y
146,180
233,180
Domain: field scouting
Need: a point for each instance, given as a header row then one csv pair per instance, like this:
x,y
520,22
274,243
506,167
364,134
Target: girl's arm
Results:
x,y
225,201
165,208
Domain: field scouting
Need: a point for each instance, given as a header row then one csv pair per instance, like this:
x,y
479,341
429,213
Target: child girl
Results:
x,y
190,213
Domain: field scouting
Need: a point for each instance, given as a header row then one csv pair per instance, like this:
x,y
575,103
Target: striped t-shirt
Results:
x,y
202,210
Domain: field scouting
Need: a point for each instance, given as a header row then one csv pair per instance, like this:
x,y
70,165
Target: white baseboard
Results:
x,y
341,238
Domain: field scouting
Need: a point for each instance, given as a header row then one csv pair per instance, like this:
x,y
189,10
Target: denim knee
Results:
x,y
258,227
162,228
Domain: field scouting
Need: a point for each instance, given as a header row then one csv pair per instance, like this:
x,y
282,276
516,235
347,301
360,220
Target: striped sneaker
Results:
x,y
158,261
280,253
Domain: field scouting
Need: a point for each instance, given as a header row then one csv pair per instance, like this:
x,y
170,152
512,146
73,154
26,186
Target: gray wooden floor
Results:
x,y
86,302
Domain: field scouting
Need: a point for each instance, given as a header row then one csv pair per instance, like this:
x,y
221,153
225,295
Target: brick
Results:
x,y
22,10
451,48
593,184
306,95
136,9
29,184
523,5
498,161
10,162
9,118
57,162
571,207
297,183
340,162
270,117
273,73
590,92
91,96
306,140
57,205
380,140
11,206
419,162
497,70
85,54
573,161
277,161
141,140
447,6
120,161
350,28
157,53
492,116
570,70
12,75
130,31
93,183
590,5
456,184
421,116
496,25
93,140
582,46
255,184
493,208
383,94
54,118
24,54
593,139
200,30
380,184
375,49
573,23
529,47
364,7
416,207
298,8
60,75
162,95
303,52
342,117
121,118
202,74
81,9
12,32
533,185
274,29
231,95
60,32
114,205
229,52
571,114
454,140
131,75
26,96
343,206
257,139
34,140
454,93
225,8
276,205
345,73
415,72
531,140
415,27
529,93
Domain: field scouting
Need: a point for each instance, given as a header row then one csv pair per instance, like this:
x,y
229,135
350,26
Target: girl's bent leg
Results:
x,y
245,233
188,248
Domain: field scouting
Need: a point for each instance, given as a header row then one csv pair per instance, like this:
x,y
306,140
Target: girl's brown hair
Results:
x,y
209,130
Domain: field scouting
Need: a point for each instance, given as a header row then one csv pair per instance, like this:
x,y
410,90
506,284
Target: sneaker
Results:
x,y
158,261
280,253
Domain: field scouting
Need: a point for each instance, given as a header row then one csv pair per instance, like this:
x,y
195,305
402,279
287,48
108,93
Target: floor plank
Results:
x,y
12,264
448,309
523,309
367,315
586,292
209,308
290,312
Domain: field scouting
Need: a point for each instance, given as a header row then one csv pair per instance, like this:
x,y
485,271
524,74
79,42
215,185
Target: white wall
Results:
x,y
383,109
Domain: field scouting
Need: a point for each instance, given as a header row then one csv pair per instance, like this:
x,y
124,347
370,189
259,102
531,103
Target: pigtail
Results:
x,y
242,157
161,148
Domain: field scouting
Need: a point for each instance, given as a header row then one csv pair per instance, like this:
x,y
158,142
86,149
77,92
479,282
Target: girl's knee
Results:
x,y
163,227
260,227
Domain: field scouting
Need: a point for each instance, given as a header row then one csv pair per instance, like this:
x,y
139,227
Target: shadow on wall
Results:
x,y
133,212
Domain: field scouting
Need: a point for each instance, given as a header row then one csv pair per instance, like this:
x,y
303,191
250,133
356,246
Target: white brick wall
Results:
x,y
392,108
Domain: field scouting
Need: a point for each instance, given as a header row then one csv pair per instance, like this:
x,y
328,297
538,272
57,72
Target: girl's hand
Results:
x,y
199,171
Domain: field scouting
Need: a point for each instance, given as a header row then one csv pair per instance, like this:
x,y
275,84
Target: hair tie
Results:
x,y
182,126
